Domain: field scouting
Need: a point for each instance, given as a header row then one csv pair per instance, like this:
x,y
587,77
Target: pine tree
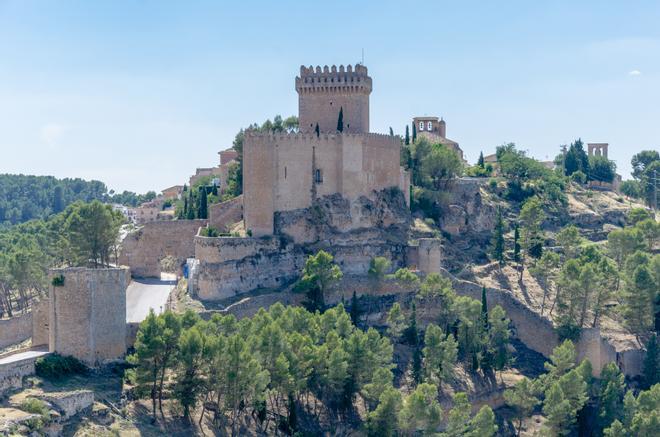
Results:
x,y
481,163
395,322
340,120
414,134
498,239
407,137
203,211
522,397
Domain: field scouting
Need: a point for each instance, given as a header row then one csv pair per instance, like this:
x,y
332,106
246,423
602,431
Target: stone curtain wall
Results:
x,y
15,330
40,322
222,215
88,314
143,249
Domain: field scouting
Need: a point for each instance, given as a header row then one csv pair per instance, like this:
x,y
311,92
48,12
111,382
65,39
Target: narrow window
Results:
x,y
318,176
284,172
429,125
421,125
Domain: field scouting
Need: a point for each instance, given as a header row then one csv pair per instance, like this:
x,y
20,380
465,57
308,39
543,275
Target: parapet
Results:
x,y
371,138
334,78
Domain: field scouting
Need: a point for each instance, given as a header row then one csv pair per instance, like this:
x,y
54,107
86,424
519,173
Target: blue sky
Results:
x,y
140,93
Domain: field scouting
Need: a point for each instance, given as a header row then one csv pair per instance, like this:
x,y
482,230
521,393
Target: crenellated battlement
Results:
x,y
334,79
307,138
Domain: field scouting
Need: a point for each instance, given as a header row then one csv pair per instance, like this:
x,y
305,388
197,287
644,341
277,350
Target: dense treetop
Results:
x,y
27,197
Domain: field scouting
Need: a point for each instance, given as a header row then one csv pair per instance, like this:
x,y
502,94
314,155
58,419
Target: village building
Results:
x,y
434,129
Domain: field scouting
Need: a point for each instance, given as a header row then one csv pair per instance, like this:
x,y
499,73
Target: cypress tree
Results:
x,y
203,204
391,131
516,243
414,135
355,309
484,310
651,369
407,137
340,120
317,130
58,199
190,215
498,239
481,163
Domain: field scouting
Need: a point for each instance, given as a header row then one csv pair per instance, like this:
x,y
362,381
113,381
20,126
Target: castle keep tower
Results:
x,y
322,93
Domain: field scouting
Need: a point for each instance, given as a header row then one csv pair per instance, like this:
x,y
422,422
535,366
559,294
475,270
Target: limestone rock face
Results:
x,y
354,232
467,212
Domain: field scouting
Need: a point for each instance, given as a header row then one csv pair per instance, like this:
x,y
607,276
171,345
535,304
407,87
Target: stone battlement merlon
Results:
x,y
334,79
384,139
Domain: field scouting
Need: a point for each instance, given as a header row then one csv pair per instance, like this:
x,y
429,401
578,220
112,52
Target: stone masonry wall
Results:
x,y
40,322
143,249
88,314
15,330
11,374
222,215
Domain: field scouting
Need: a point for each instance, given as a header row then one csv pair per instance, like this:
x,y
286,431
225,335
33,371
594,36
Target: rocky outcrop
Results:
x,y
354,232
467,212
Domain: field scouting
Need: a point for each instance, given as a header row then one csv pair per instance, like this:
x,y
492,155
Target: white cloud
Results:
x,y
52,132
634,73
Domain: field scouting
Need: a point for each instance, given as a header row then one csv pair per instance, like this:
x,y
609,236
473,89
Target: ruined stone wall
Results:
x,y
40,322
15,330
88,314
143,249
222,215
11,374
429,257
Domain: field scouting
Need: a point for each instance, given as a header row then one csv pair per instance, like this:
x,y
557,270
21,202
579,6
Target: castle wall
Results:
x,y
88,314
280,169
258,184
222,215
143,249
40,322
12,373
15,330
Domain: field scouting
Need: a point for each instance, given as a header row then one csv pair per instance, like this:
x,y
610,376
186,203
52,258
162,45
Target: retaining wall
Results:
x,y
15,330
222,215
143,249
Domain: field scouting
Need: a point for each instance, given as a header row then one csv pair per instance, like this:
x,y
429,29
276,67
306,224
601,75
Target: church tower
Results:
x,y
323,93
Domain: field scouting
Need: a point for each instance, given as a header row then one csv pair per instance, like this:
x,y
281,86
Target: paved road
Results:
x,y
33,353
143,294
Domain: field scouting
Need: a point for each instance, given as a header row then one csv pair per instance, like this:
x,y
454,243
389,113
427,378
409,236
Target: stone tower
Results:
x,y
597,149
322,93
88,313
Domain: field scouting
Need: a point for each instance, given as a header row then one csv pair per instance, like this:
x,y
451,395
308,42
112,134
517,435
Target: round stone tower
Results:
x,y
323,93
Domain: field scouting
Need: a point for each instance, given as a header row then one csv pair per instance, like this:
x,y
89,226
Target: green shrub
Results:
x,y
58,281
492,184
209,232
34,406
579,177
56,366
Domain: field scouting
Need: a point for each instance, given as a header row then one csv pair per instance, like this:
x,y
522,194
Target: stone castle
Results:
x,y
286,172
